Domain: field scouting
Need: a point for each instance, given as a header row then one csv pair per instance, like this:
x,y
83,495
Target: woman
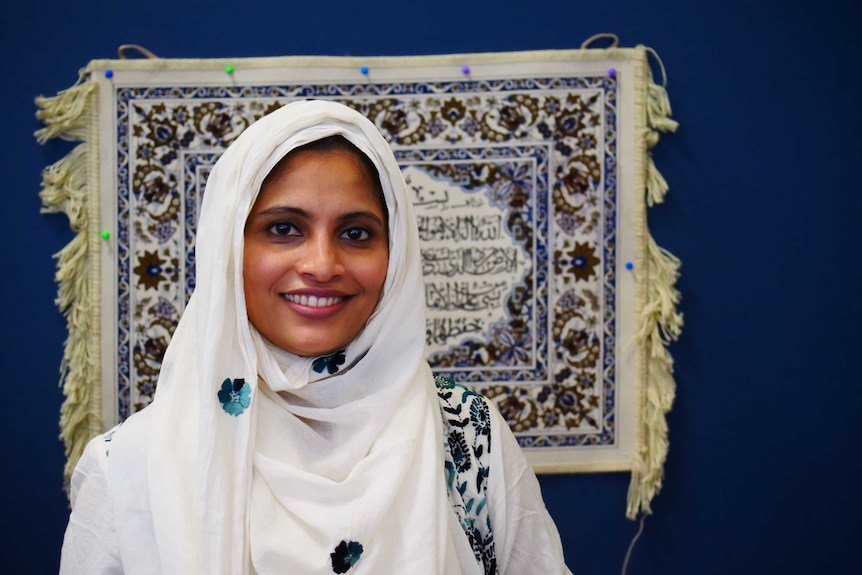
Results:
x,y
297,427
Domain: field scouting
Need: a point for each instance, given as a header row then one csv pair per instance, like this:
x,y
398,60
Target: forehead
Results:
x,y
316,174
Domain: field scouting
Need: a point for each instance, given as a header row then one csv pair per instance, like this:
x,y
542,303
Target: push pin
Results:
x,y
364,70
228,69
612,72
466,70
109,74
629,265
106,234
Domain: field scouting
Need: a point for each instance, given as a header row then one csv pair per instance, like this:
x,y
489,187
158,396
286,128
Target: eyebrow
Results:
x,y
299,212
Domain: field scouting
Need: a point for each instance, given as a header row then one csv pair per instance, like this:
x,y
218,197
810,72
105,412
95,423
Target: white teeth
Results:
x,y
313,300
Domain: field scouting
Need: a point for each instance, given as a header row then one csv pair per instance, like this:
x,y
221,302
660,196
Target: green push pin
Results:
x,y
228,69
106,234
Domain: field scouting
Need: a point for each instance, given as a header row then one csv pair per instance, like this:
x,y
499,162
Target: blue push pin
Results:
x,y
109,74
629,265
364,70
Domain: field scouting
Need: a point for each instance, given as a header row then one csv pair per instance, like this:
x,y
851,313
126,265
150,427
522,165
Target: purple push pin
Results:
x,y
466,69
612,72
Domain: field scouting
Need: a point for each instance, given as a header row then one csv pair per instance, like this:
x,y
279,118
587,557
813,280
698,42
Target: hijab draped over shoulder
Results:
x,y
253,460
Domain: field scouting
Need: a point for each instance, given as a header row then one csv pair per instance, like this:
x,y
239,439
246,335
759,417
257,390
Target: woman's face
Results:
x,y
316,253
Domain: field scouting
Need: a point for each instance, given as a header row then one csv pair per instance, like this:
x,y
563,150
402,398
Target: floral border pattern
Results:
x,y
542,151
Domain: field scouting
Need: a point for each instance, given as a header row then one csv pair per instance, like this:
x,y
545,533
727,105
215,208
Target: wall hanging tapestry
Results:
x,y
532,175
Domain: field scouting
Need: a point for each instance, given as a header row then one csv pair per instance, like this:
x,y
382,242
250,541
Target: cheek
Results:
x,y
256,268
377,274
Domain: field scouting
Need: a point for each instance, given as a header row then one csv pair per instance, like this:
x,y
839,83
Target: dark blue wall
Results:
x,y
763,211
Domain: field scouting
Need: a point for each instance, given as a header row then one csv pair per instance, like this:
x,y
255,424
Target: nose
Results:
x,y
321,260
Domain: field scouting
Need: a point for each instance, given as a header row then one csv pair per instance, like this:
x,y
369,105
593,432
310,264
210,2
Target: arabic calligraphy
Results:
x,y
471,261
441,330
464,296
460,228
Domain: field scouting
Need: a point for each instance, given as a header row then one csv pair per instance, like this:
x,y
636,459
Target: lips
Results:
x,y
313,300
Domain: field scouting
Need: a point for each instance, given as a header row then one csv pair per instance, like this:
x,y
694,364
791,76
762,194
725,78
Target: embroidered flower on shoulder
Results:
x,y
108,436
345,556
330,362
235,396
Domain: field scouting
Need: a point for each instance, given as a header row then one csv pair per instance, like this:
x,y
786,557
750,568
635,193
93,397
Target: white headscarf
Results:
x,y
314,460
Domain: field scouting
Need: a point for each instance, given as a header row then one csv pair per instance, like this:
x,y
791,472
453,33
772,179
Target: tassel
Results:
x,y
63,114
658,108
65,190
656,186
63,186
661,323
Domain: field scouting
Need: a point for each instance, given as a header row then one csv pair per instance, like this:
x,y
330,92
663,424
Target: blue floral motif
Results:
x,y
330,362
467,432
460,453
345,556
480,416
235,396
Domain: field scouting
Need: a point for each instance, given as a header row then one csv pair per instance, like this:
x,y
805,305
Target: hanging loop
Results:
x,y
660,65
121,51
601,36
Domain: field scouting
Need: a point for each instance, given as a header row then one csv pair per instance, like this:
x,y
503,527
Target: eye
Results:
x,y
283,229
356,234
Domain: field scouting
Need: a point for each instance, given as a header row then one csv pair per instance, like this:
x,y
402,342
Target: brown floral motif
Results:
x,y
572,127
151,270
511,119
149,183
399,124
572,405
162,131
518,409
164,135
575,333
151,344
394,121
581,261
575,182
217,124
453,110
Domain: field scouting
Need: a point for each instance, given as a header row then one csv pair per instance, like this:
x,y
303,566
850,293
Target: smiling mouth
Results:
x,y
313,300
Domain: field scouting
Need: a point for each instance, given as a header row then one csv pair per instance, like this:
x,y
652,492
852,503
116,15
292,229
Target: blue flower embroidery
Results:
x,y
460,453
345,556
235,396
330,362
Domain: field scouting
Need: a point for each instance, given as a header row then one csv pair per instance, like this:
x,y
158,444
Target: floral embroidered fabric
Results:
x,y
345,556
235,396
467,432
330,362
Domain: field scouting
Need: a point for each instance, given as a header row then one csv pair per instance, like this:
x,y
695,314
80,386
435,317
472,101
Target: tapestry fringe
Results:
x,y
65,189
660,323
64,114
